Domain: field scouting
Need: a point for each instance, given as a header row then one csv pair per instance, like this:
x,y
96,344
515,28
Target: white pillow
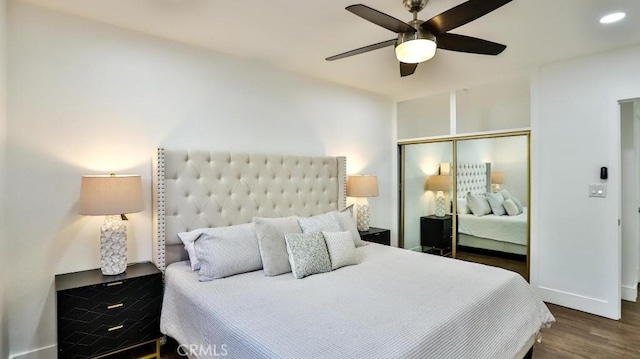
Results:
x,y
342,250
319,223
228,251
508,195
478,204
495,201
346,222
510,207
188,239
462,206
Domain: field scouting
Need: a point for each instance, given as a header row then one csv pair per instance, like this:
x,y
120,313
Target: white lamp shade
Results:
x,y
111,195
362,186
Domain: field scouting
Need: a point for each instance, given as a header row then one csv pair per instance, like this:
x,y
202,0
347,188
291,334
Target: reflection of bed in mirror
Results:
x,y
498,233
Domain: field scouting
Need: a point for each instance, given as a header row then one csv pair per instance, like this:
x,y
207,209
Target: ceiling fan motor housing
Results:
x,y
414,5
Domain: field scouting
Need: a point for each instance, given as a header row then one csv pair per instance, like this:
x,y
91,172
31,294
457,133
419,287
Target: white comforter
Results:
x,y
511,229
395,304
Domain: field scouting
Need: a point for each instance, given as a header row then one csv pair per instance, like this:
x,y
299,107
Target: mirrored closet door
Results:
x,y
492,191
468,198
426,223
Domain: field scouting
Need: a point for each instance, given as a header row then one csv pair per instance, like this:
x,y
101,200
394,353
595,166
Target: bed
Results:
x,y
507,234
394,304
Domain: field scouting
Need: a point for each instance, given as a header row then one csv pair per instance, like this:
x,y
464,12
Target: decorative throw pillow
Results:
x,y
273,248
495,202
508,195
342,250
307,254
319,223
346,222
462,206
478,204
518,204
510,207
228,251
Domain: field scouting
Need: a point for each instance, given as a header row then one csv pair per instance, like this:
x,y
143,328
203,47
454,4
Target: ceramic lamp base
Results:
x,y
363,214
113,246
440,207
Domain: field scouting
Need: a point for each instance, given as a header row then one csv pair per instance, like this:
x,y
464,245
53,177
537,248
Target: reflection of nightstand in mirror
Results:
x,y
435,234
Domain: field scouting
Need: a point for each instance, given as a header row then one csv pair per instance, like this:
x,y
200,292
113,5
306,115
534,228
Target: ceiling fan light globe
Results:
x,y
415,51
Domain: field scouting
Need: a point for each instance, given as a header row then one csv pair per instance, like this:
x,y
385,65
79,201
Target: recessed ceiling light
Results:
x,y
616,16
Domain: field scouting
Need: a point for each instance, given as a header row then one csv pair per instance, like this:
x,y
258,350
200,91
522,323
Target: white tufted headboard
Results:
x,y
198,189
473,177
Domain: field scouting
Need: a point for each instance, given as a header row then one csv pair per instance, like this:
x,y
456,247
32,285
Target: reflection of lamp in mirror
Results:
x,y
362,186
497,178
439,183
111,196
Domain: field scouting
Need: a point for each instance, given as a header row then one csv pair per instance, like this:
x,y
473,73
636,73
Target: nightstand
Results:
x,y
100,315
435,233
377,235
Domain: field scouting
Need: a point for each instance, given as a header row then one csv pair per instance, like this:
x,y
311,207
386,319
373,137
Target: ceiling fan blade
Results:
x,y
407,69
380,18
362,50
455,42
461,14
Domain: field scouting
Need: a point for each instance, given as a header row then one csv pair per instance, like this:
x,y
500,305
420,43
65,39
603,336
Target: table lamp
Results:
x,y
112,196
497,178
439,183
361,187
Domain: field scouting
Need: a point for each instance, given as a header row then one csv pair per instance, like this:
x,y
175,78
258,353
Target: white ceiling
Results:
x,y
298,35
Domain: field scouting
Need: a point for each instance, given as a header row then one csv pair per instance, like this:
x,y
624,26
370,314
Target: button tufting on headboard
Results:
x,y
197,189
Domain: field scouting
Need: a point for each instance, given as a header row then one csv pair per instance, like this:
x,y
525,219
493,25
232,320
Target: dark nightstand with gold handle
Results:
x,y
101,315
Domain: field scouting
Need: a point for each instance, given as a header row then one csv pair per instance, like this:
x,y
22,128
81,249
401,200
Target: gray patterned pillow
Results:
x,y
226,251
342,251
307,254
321,222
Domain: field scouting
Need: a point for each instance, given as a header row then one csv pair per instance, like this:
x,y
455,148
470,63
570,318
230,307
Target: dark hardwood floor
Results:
x,y
580,335
515,265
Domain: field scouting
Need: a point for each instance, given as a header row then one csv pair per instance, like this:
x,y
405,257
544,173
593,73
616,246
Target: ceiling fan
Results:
x,y
417,40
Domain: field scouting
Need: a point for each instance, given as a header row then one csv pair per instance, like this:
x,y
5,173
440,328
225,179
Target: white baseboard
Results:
x,y
578,302
47,352
630,293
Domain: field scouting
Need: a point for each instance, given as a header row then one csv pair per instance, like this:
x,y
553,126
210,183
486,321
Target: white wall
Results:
x,y
424,117
4,332
90,98
576,130
494,107
629,200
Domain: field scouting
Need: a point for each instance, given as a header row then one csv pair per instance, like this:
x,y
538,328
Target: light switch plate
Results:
x,y
598,190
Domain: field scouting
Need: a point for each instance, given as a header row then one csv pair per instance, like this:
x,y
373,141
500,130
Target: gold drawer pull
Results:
x,y
116,328
115,306
114,283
